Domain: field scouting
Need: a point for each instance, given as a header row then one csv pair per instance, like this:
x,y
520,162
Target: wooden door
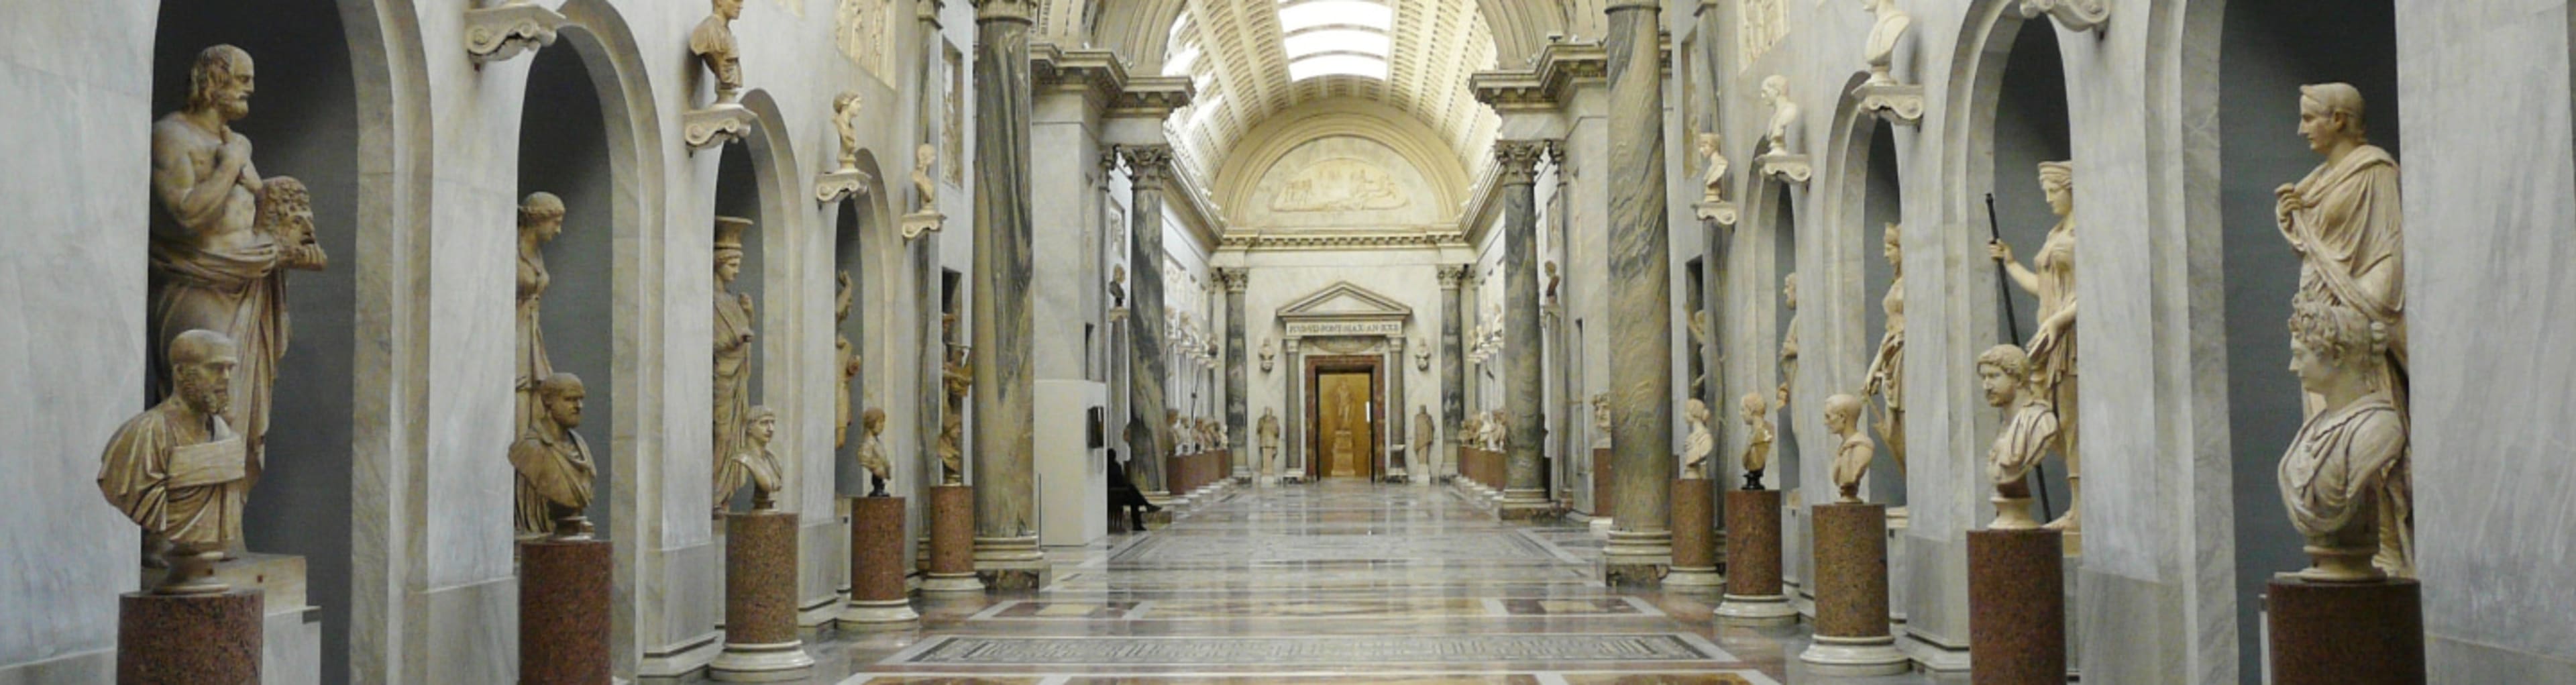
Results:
x,y
1349,440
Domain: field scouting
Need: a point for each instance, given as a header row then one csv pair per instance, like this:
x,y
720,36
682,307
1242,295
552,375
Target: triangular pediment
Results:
x,y
1345,301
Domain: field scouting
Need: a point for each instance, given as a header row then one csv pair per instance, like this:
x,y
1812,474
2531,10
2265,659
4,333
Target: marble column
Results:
x,y
1293,450
1006,541
1524,489
1238,434
1641,382
1398,430
1453,365
1147,166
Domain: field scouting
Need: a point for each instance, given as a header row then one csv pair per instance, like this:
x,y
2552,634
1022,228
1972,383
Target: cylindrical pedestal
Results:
x,y
760,601
1694,537
952,541
1852,638
2346,633
1753,594
188,639
2016,607
1601,517
563,611
1176,475
877,599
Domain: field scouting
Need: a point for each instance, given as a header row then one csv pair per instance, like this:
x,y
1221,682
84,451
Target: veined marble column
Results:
x,y
1006,540
1641,382
1453,366
1524,489
1146,167
1294,457
1237,432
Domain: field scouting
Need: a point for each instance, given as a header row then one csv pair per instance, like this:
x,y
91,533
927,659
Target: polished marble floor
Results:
x,y
1335,582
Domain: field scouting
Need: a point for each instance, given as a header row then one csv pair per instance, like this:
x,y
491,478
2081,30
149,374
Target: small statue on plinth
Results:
x,y
872,452
555,471
175,469
1757,445
1268,431
1696,448
2029,433
1852,457
845,121
713,43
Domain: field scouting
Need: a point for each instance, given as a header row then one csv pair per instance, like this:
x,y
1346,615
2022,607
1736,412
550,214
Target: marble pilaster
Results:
x,y
1147,167
1005,383
1293,457
1641,540
1524,490
1453,363
1399,429
1238,433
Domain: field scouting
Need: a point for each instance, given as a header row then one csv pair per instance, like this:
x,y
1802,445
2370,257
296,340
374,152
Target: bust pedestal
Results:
x,y
563,611
209,638
1694,537
952,541
1601,519
760,601
1852,637
2016,607
877,599
2369,633
1753,595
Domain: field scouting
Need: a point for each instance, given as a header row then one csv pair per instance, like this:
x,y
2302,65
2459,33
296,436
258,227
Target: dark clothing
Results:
x,y
1125,498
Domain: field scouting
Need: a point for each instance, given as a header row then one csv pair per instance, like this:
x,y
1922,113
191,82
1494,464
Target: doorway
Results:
x,y
1344,417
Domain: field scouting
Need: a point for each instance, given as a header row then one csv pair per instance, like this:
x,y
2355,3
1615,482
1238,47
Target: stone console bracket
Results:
x,y
840,184
1901,105
500,32
716,125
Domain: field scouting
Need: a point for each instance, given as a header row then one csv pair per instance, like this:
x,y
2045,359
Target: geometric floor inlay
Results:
x,y
1326,650
1469,547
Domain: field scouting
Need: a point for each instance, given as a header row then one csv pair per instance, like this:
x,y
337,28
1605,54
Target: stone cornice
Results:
x,y
1550,82
1023,11
1101,77
1376,240
1153,97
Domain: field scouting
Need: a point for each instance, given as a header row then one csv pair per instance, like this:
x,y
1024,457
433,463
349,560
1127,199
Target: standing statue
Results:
x,y
1423,433
2343,221
222,240
1696,448
1268,431
1712,177
957,378
176,469
1880,53
2342,479
540,220
1118,289
733,336
845,121
1551,281
714,46
872,452
925,186
1700,336
1784,114
849,357
1471,431
1757,447
756,464
1887,369
1788,339
2030,431
1601,420
1852,457
1498,431
2052,345
555,473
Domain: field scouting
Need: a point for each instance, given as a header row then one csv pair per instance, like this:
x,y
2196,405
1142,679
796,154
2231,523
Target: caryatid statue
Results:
x,y
555,472
2051,277
541,218
176,469
1788,339
733,338
1423,433
849,358
1759,436
1887,368
1696,448
222,240
845,121
957,379
1880,53
755,464
2029,433
1268,431
713,43
1852,456
872,452
1784,114
1712,177
2344,478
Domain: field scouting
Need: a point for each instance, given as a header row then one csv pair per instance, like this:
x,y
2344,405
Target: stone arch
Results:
x,y
1416,142
867,245
1858,186
757,177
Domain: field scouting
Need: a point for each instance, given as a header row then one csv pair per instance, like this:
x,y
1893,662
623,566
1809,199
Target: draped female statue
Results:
x,y
2051,351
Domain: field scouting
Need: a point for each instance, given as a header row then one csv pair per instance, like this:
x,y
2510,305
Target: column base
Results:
x,y
1845,657
877,615
1525,505
1012,563
1703,579
761,663
938,582
1637,559
1766,610
1601,525
200,638
563,611
2016,607
2368,633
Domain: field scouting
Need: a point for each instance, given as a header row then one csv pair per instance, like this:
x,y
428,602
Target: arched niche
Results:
x,y
751,181
866,248
1862,189
2269,48
564,150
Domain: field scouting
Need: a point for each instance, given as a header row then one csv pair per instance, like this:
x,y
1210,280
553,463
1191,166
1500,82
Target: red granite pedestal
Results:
x,y
1753,595
877,599
2346,633
1852,637
1694,537
210,639
2016,607
1601,477
952,541
760,601
564,589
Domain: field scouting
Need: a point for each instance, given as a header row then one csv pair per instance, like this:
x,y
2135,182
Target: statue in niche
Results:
x,y
222,240
1852,457
1269,354
872,452
1880,53
2051,277
1887,368
957,378
1268,431
712,41
1788,339
541,218
1699,335
1713,177
849,357
1183,442
1118,295
1696,448
1550,266
2343,220
555,472
2029,432
845,121
1784,114
1601,420
2344,479
1423,432
1757,446
176,469
925,185
733,336
755,464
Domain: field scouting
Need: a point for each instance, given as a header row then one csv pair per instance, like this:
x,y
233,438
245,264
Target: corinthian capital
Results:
x,y
1148,163
1452,275
1518,159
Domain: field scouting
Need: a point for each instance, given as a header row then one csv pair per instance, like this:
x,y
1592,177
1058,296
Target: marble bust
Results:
x,y
1267,431
1696,448
713,43
555,471
1852,456
1118,290
756,464
2029,433
1887,368
1759,436
872,451
1880,52
845,121
1551,281
176,468
1713,177
1784,114
925,185
1269,354
2344,478
1600,420
2051,351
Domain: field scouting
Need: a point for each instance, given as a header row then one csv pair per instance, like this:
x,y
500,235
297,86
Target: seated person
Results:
x,y
1123,496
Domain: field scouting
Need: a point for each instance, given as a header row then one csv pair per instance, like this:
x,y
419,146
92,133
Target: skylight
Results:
x,y
1337,64
1298,15
1335,37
